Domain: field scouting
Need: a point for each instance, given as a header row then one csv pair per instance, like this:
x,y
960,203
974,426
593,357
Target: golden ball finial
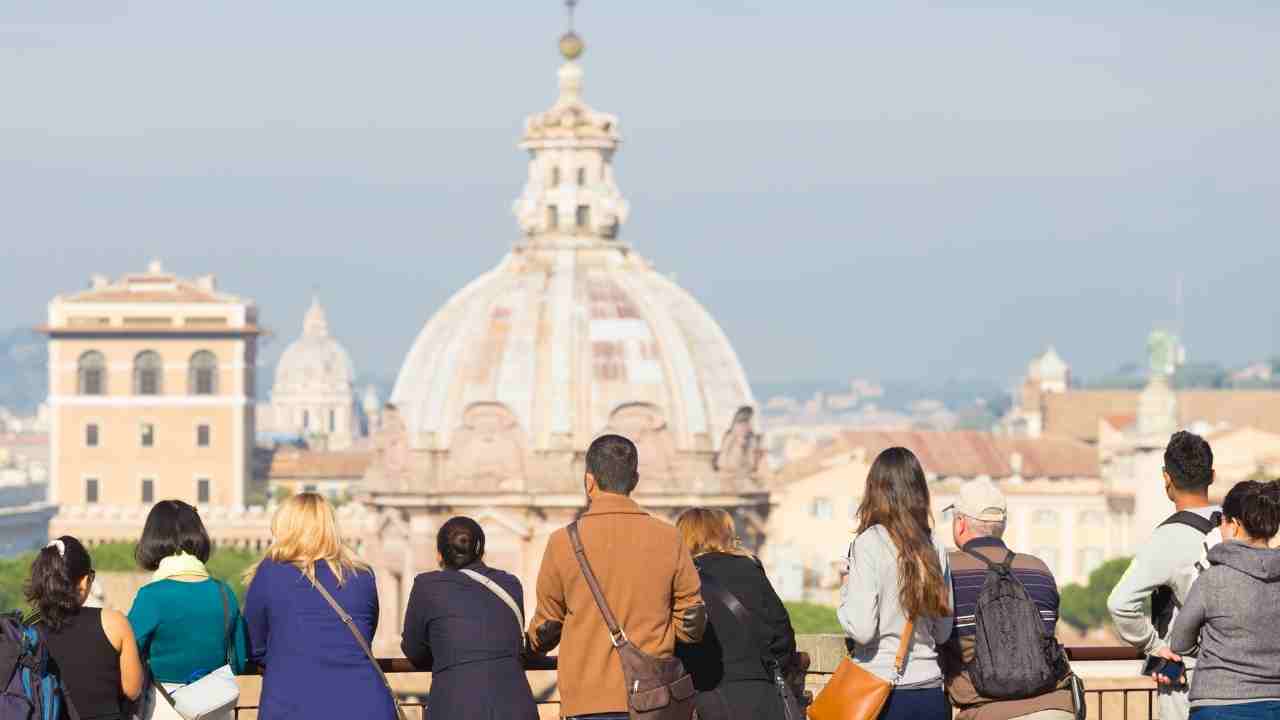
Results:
x,y
571,46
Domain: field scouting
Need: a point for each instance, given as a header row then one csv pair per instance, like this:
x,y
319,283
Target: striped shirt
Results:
x,y
968,574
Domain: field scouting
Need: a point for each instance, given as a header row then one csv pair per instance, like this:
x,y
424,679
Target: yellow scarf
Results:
x,y
181,567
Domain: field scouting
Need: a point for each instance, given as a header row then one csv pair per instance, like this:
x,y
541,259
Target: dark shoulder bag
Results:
x,y
792,709
657,688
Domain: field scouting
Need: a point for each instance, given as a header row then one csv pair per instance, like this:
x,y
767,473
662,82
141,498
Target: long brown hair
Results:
x,y
897,499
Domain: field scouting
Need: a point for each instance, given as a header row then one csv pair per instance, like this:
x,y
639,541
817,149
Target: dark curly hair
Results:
x,y
1256,506
460,542
1189,461
54,586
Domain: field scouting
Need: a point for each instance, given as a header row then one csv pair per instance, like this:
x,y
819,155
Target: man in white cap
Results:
x,y
977,524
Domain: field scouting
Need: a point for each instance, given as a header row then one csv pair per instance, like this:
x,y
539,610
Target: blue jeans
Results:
x,y
1265,710
926,704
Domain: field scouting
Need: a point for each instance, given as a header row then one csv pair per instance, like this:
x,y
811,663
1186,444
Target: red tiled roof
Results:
x,y
314,464
964,454
1076,413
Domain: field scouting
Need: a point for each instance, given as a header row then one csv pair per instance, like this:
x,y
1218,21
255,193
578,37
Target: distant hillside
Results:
x,y
24,370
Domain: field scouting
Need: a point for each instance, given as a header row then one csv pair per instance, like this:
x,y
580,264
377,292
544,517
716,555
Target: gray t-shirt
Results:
x,y
871,615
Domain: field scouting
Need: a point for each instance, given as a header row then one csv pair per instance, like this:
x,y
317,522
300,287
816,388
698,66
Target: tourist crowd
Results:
x,y
656,621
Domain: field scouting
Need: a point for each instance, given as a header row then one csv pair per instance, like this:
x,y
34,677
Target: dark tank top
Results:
x,y
89,665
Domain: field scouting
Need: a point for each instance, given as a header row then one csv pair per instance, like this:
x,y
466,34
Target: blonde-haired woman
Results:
x,y
313,665
732,666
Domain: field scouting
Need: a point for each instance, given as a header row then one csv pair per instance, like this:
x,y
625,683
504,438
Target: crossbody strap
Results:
x,y
616,634
904,645
364,644
503,595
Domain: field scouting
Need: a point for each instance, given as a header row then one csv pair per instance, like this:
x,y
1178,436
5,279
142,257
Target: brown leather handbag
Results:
x,y
657,688
855,693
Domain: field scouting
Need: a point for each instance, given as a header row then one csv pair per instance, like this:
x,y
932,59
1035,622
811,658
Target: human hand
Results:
x,y
1163,678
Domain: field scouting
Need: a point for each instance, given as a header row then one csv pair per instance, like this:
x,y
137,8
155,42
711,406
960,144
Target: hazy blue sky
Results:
x,y
899,189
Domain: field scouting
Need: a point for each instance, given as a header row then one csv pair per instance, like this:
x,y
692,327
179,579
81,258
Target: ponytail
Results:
x,y
54,586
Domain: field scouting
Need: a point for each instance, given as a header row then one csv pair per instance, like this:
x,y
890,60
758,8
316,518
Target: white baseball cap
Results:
x,y
980,499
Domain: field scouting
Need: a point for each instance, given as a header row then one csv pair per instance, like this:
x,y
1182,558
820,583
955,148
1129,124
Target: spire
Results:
x,y
314,323
570,196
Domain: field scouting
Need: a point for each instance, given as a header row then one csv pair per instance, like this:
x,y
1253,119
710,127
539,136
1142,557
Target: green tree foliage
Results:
x,y
1085,606
813,619
226,564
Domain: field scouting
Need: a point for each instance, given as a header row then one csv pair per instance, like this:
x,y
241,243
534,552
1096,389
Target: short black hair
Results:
x,y
172,527
460,542
612,460
1256,506
1189,461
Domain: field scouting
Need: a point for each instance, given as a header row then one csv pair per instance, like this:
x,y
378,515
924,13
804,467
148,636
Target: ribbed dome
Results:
x,y
572,335
572,342
314,363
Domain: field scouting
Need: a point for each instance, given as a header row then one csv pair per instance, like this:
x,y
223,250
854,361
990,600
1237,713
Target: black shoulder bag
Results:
x,y
792,709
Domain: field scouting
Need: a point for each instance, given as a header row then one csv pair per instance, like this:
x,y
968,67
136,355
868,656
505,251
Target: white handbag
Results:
x,y
214,695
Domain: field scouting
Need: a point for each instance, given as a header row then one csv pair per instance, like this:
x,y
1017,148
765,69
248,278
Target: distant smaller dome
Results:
x,y
316,362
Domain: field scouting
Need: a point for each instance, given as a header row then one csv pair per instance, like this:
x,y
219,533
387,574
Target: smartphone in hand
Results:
x,y
1175,672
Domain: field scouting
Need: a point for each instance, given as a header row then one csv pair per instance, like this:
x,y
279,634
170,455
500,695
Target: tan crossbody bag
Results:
x,y
855,693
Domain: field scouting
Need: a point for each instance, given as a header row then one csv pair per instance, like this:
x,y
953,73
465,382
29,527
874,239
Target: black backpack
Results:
x,y
1013,656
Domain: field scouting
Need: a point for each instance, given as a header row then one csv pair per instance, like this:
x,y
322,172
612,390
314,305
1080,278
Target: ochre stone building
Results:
x,y
150,395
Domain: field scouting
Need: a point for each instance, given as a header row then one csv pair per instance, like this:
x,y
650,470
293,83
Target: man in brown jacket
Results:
x,y
648,579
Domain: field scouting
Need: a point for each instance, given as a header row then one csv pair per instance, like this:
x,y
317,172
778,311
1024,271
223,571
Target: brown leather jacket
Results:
x,y
650,583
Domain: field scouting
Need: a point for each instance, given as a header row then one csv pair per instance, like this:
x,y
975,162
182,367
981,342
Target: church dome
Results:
x,y
572,335
315,363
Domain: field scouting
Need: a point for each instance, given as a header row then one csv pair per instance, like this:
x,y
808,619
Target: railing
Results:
x,y
1113,688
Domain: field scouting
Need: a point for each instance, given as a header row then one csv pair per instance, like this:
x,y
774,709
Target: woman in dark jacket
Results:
x,y
465,622
729,666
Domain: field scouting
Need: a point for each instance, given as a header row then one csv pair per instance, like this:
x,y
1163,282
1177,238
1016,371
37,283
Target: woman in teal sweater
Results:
x,y
187,623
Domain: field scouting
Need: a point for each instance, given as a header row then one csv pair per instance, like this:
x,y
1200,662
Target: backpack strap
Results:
x,y
502,594
1191,519
616,634
1004,566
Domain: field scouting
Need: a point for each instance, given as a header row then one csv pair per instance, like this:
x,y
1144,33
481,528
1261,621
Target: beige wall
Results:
x,y
174,462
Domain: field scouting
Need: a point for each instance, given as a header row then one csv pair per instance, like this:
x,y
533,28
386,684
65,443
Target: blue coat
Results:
x,y
471,641
313,668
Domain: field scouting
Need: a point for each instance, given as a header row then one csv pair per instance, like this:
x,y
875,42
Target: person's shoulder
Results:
x,y
871,537
114,622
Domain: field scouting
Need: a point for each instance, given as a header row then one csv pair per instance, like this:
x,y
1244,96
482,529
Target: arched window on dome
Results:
x,y
91,374
202,374
553,217
148,370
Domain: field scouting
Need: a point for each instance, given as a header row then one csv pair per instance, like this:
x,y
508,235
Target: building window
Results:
x,y
333,421
582,176
147,370
202,436
148,490
306,420
202,374
1092,518
1090,559
91,374
553,217
555,176
583,216
147,435
91,435
91,490
821,508
202,491
1044,518
1050,557
308,488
